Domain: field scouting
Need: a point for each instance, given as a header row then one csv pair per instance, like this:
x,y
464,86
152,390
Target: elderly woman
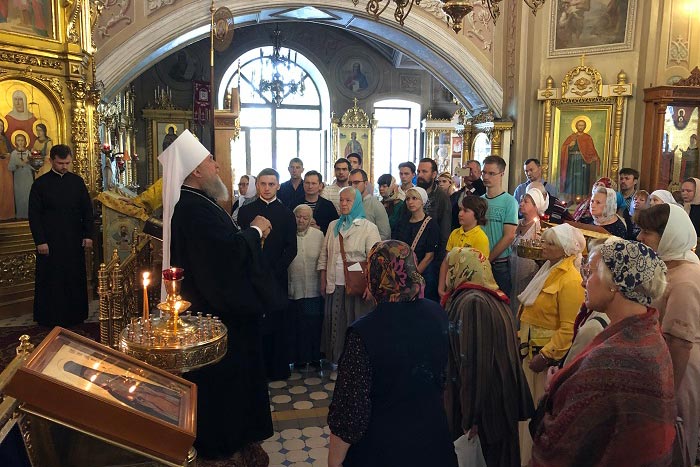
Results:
x,y
668,230
246,194
486,390
604,212
661,197
387,406
446,183
306,303
550,304
583,210
392,198
358,236
613,405
532,205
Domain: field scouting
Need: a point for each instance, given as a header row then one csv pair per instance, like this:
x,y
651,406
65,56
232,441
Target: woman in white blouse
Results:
x,y
306,303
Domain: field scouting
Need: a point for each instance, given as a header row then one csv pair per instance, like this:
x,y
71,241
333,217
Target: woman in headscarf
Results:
x,y
668,230
604,212
418,229
613,405
532,205
486,390
246,194
392,198
690,192
583,212
359,236
549,305
387,405
306,303
446,183
661,197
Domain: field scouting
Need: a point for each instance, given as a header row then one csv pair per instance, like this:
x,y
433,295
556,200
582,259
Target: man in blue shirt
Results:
x,y
291,192
533,171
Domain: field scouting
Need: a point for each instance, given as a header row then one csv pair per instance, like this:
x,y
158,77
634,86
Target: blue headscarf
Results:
x,y
357,212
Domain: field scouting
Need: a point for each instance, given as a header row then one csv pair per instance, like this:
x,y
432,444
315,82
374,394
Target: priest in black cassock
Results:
x,y
223,270
60,218
279,250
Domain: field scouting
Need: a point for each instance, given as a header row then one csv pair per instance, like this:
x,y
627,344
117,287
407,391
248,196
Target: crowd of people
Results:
x,y
438,330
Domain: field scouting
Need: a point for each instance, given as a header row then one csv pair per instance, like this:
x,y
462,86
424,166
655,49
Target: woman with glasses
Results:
x,y
550,304
667,229
246,194
614,404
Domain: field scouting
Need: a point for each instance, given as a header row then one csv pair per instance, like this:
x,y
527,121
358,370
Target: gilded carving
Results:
x,y
483,117
55,84
17,269
355,117
23,59
79,127
73,25
584,79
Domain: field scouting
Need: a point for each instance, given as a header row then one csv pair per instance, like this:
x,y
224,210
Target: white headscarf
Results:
x,y
696,198
539,200
178,160
610,208
572,242
679,237
665,196
250,194
421,193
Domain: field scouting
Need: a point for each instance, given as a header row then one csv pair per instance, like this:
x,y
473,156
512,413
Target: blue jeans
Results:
x,y
501,272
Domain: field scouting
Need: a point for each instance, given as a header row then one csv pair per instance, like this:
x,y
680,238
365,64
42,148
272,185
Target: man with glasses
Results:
x,y
342,172
374,210
291,192
502,217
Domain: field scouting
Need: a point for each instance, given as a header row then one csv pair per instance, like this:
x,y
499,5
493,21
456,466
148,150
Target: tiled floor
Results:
x,y
299,411
28,320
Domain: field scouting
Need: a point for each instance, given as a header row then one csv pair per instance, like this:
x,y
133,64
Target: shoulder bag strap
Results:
x,y
342,250
420,232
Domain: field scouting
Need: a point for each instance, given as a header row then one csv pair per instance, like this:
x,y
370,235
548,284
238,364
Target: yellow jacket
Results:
x,y
556,307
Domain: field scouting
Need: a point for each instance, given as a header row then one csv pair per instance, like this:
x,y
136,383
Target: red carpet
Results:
x,y
9,338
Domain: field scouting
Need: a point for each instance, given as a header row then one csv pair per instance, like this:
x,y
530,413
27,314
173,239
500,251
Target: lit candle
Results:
x,y
177,307
146,281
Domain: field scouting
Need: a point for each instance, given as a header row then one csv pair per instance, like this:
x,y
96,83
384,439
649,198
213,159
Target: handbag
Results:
x,y
355,281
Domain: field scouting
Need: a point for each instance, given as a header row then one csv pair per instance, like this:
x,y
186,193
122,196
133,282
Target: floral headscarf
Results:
x,y
357,212
633,266
393,276
469,265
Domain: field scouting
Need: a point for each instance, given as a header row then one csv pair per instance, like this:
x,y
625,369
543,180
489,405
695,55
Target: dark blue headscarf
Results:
x,y
357,212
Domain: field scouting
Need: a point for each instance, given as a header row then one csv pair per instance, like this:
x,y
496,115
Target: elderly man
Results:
x,y
374,210
223,276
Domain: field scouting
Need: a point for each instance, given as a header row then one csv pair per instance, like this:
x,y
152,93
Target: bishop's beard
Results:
x,y
215,188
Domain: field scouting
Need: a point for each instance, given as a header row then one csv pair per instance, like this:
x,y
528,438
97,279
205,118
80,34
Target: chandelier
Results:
x,y
455,10
273,67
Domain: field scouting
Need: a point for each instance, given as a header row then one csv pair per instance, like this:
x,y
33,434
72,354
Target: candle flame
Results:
x,y
146,278
93,378
178,304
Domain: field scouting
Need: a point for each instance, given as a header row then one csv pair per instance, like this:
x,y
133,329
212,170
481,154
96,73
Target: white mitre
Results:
x,y
178,160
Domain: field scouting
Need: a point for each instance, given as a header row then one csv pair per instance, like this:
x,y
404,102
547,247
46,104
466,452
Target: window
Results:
x,y
271,135
398,123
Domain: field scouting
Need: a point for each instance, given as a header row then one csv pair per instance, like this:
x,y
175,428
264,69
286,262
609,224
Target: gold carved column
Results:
x,y
226,129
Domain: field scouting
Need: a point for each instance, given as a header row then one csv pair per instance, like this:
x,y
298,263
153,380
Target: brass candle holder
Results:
x,y
176,341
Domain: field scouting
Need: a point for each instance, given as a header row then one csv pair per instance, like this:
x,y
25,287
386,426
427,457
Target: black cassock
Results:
x,y
224,277
60,214
279,250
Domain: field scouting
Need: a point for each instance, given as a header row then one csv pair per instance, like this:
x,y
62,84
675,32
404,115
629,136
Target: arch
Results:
x,y
423,37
